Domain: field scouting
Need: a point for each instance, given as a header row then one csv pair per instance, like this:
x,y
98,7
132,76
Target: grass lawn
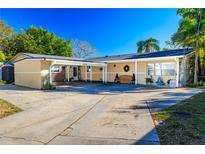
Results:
x,y
7,108
183,123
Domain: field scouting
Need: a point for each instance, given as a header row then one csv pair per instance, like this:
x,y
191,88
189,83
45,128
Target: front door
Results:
x,y
75,73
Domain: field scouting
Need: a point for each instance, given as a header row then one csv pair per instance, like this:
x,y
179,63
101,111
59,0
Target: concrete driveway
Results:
x,y
86,114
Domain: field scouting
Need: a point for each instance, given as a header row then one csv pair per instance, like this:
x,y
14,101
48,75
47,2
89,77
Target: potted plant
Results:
x,y
149,80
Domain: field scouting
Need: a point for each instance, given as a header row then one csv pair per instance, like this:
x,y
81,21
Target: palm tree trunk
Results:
x,y
197,49
196,63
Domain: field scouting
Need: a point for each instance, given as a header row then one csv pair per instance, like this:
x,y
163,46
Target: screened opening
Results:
x,y
162,69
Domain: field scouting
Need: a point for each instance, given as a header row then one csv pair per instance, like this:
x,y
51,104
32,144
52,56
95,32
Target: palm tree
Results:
x,y
191,32
149,45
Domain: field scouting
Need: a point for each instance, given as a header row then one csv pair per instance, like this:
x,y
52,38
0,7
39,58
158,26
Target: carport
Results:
x,y
34,70
84,68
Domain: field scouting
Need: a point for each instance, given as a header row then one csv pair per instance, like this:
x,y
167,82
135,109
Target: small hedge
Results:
x,y
48,86
2,82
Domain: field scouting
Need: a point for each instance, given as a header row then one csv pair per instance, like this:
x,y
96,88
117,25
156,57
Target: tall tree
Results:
x,y
149,45
171,44
2,56
36,40
191,32
5,30
83,49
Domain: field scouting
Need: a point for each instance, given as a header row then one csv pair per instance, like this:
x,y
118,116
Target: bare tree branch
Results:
x,y
83,49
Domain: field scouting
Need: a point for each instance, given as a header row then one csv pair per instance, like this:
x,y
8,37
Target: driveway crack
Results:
x,y
20,138
77,119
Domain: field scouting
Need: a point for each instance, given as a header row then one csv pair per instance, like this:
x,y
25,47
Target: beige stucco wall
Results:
x,y
96,73
114,68
28,73
31,73
45,66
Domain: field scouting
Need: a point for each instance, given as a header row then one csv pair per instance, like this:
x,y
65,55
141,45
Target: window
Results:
x,y
150,69
56,69
168,69
157,69
162,69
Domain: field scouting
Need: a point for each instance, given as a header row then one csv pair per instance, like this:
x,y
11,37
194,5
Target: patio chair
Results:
x,y
133,78
117,79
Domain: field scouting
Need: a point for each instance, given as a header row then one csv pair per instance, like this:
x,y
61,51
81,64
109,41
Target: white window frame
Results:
x,y
169,69
53,69
148,69
160,68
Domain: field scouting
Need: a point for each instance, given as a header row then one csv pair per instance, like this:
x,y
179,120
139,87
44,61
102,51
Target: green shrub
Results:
x,y
192,85
2,82
2,56
199,84
48,86
149,80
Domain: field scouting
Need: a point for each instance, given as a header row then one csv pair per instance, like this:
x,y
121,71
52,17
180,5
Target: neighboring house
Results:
x,y
34,70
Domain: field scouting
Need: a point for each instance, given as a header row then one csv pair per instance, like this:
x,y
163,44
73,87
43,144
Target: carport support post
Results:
x,y
105,71
103,74
177,71
136,73
86,75
50,73
68,69
91,73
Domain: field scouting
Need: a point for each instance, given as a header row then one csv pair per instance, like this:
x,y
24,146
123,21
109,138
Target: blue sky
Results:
x,y
111,31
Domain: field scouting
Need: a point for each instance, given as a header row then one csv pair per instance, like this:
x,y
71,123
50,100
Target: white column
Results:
x,y
185,71
177,71
50,73
103,74
68,69
77,73
86,75
91,73
136,73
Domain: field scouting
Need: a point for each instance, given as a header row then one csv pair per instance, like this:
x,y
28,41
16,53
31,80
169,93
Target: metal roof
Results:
x,y
167,53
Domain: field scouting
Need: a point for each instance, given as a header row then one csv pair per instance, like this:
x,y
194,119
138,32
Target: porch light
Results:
x,y
89,69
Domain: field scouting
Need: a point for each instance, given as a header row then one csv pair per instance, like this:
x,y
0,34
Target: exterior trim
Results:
x,y
70,62
27,59
144,59
27,72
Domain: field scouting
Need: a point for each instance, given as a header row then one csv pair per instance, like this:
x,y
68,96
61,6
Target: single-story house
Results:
x,y
35,70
